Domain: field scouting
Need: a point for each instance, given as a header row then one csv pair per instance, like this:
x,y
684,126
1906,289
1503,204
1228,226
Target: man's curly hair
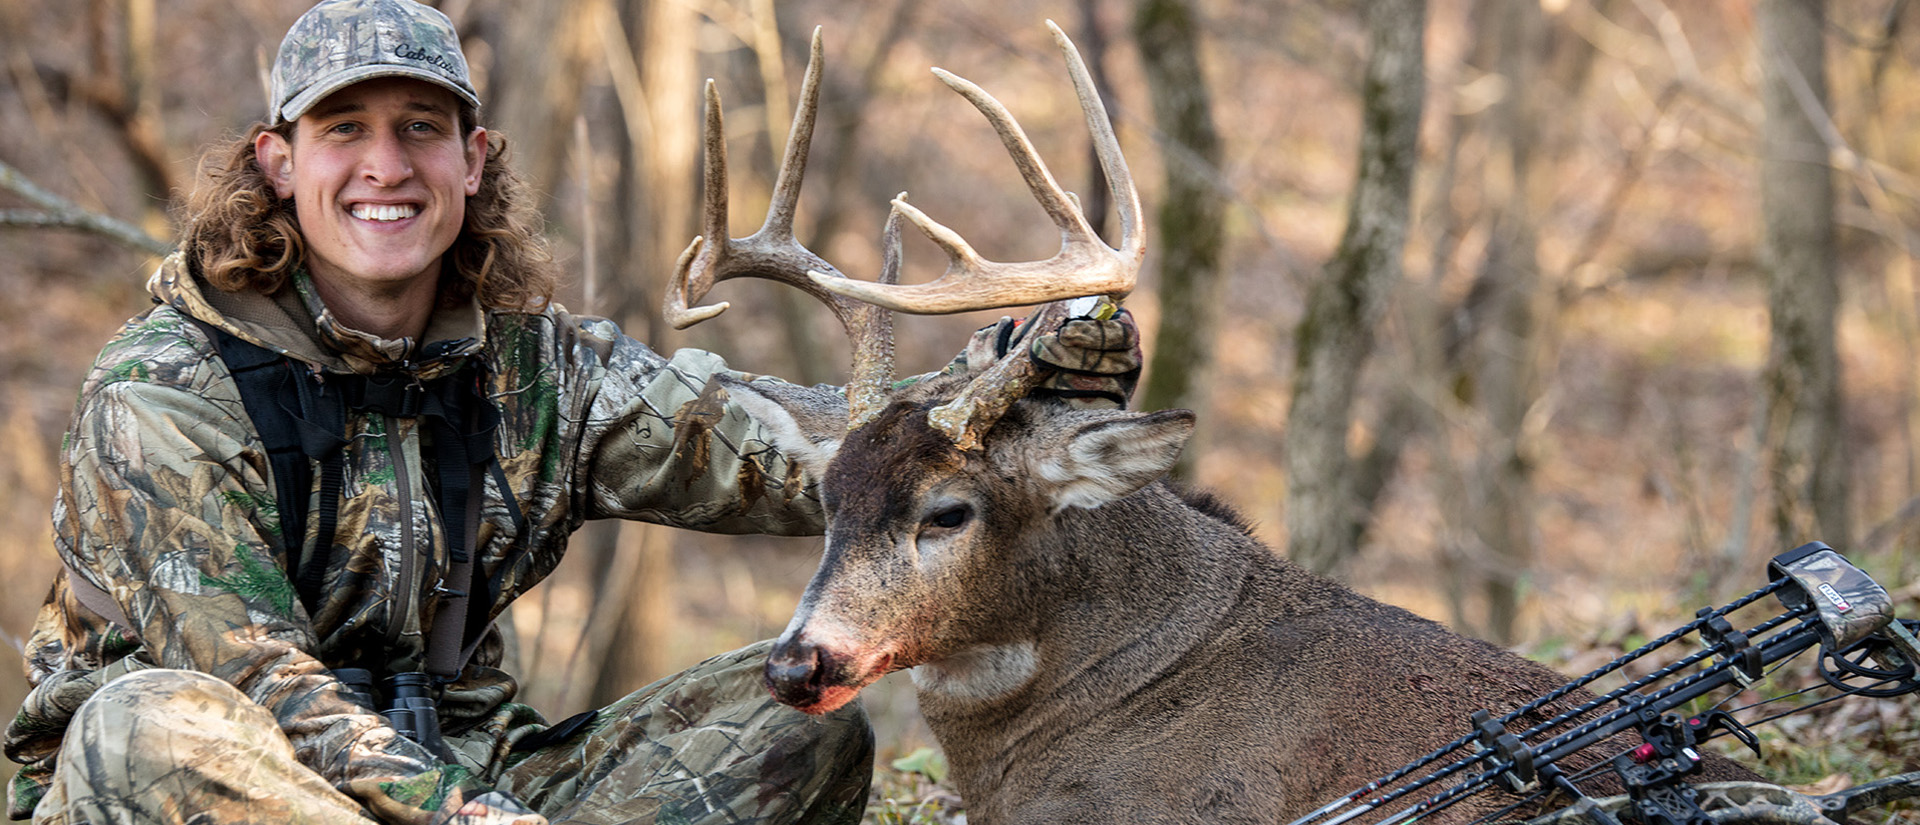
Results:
x,y
241,235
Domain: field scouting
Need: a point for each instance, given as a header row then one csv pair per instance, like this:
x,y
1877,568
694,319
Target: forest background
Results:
x,y
1551,319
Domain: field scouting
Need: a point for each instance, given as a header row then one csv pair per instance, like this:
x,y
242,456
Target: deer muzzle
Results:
x,y
814,678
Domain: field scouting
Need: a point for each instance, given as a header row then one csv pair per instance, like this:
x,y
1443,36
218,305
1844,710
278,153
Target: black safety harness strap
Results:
x,y
297,421
285,411
461,424
301,418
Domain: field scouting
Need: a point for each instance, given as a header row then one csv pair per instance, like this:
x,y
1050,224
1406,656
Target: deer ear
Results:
x,y
1113,457
805,423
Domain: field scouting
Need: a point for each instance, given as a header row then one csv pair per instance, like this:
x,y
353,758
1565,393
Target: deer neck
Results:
x,y
1141,594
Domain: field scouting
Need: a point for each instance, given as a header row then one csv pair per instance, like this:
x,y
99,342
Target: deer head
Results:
x,y
930,547
921,505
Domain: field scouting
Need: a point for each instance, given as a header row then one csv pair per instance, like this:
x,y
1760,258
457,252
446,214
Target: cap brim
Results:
x,y
314,94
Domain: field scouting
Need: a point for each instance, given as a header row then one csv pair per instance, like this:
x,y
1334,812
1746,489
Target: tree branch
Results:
x,y
56,211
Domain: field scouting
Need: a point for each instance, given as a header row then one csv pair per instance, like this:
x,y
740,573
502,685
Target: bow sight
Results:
x,y
1827,602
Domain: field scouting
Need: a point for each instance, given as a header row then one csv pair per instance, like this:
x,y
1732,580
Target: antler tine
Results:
x,y
700,266
773,253
1085,265
1106,146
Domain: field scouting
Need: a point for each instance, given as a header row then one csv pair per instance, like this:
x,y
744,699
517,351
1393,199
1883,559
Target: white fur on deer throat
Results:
x,y
983,672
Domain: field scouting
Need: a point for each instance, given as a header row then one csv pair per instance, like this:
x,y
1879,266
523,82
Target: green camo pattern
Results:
x,y
162,457
707,745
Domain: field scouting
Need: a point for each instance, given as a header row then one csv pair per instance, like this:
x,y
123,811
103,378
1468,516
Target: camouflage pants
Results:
x,y
705,745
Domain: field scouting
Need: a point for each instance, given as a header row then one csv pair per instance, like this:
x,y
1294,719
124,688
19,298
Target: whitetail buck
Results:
x,y
1089,644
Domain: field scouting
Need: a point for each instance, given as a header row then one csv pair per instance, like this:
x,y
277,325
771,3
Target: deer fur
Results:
x,y
1090,644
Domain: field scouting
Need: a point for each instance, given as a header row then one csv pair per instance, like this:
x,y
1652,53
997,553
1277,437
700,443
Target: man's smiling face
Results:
x,y
380,174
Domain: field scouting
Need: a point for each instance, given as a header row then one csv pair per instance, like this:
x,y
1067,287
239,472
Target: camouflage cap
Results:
x,y
342,42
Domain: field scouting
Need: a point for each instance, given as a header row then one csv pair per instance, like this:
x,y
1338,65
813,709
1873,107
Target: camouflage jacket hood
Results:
x,y
166,503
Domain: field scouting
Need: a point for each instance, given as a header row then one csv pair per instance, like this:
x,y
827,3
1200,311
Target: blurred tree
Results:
x,y
798,313
845,97
664,153
1494,510
540,59
1890,220
121,85
1091,39
1805,454
1335,336
1191,222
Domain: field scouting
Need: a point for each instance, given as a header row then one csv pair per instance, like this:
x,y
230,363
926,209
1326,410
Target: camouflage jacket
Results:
x,y
166,502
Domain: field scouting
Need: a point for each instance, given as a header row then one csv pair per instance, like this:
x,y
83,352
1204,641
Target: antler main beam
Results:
x,y
1085,265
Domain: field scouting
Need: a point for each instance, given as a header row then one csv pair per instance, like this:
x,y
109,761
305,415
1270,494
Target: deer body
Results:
x,y
1090,645
1192,675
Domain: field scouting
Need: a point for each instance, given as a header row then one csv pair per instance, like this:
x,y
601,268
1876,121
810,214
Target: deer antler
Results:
x,y
774,254
1084,266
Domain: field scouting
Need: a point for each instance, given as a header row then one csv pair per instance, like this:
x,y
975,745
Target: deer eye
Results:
x,y
950,517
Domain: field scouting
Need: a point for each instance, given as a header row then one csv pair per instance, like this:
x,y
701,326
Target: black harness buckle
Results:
x,y
391,394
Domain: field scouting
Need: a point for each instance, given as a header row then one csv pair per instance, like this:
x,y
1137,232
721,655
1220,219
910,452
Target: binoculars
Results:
x,y
409,704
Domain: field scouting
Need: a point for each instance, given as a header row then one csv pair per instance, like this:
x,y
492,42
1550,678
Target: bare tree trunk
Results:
x,y
534,82
1498,517
841,125
840,114
1898,276
629,292
1189,228
145,134
1092,40
121,86
1805,455
1501,483
808,362
639,612
1426,358
664,153
1335,338
670,73
658,87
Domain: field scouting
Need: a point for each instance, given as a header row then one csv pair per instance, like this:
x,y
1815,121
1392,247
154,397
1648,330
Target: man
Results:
x,y
297,492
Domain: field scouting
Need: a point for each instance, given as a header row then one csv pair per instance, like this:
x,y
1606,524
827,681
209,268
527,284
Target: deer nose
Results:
x,y
794,671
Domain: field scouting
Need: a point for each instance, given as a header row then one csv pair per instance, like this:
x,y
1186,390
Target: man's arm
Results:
x,y
666,446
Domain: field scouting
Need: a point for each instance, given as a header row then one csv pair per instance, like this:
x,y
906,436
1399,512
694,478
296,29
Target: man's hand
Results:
x,y
1095,362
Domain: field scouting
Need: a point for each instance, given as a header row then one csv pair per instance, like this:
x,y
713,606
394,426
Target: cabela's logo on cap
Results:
x,y
407,52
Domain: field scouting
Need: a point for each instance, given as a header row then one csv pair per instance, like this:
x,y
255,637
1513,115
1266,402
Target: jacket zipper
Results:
x,y
403,589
